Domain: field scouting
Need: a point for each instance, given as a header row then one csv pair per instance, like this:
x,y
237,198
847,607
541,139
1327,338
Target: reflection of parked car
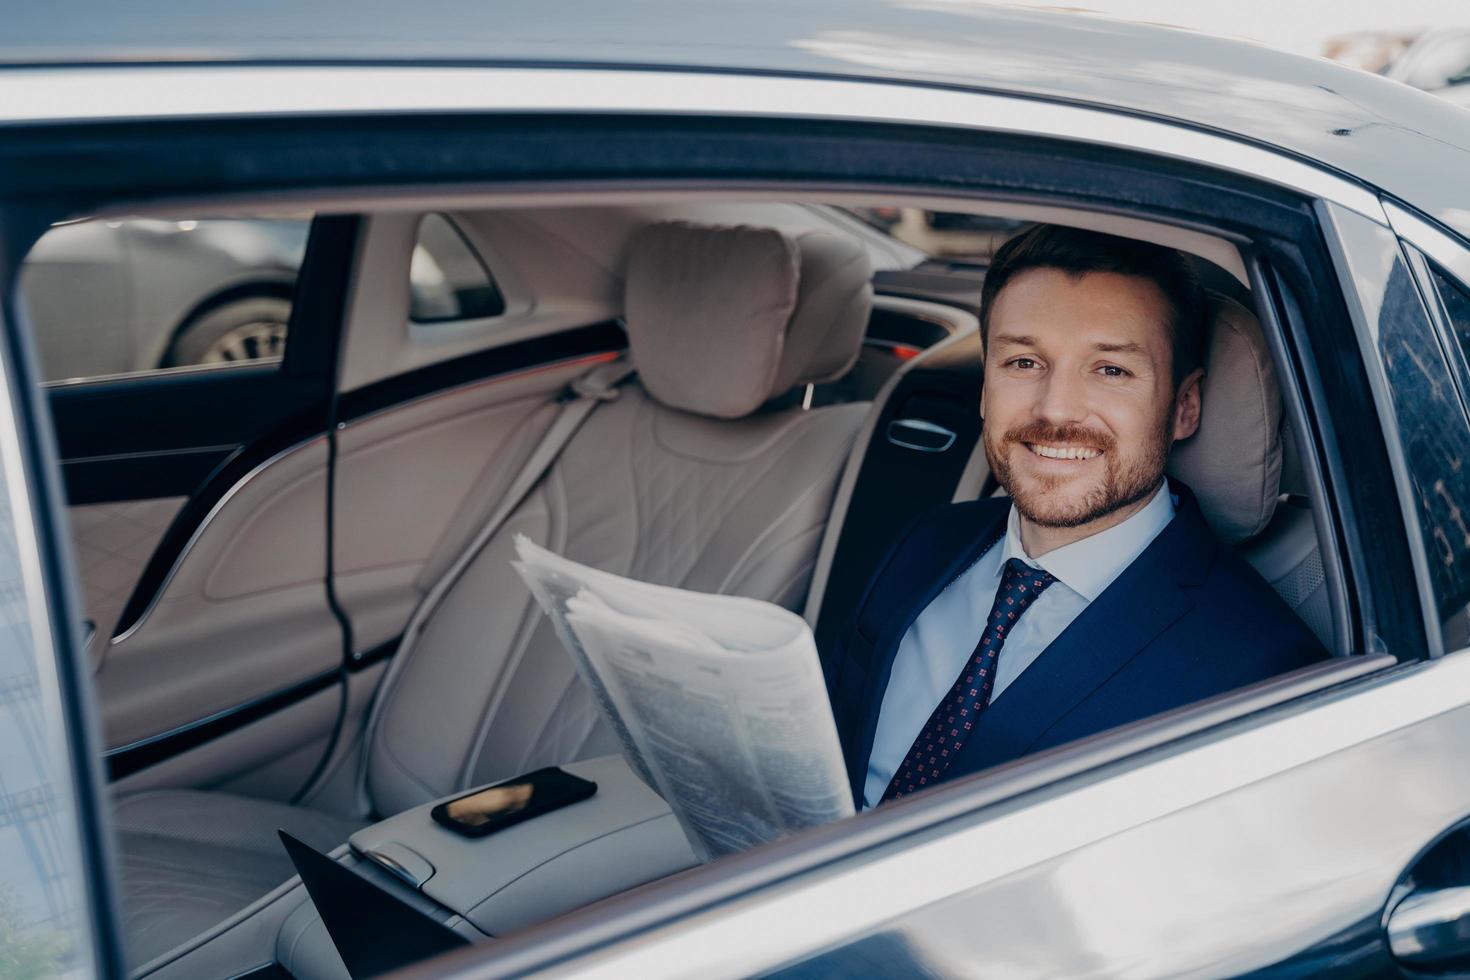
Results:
x,y
112,297
251,545
1438,62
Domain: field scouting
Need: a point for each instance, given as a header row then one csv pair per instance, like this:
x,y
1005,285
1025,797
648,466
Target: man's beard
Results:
x,y
1124,481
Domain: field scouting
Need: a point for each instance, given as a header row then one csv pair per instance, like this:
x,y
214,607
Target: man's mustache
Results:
x,y
1060,435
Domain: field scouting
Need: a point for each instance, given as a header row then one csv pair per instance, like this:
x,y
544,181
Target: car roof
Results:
x,y
1402,141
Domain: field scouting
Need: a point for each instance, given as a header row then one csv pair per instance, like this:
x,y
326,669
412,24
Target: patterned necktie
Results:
x,y
950,725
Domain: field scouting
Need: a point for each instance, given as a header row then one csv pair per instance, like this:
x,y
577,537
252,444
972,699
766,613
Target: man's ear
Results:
x,y
1188,405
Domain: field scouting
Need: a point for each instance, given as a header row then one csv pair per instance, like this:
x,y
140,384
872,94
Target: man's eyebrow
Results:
x,y
1017,340
1126,348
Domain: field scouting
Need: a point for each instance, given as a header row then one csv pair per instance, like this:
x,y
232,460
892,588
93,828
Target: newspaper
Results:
x,y
718,701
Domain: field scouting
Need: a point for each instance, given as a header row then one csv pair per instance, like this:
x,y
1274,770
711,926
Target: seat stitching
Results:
x,y
822,485
386,748
815,528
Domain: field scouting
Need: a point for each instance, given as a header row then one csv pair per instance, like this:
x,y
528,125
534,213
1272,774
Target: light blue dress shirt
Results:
x,y
944,636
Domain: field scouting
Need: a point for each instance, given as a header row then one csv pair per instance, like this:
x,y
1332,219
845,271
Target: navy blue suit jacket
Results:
x,y
1187,620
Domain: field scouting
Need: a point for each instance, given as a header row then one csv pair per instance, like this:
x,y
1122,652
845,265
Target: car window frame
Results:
x,y
31,482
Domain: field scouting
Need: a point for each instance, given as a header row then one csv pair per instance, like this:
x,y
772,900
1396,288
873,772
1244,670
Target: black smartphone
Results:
x,y
506,804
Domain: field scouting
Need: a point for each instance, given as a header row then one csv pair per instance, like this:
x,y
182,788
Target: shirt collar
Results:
x,y
1090,565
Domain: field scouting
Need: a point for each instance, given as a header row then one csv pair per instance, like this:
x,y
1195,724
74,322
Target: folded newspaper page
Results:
x,y
718,701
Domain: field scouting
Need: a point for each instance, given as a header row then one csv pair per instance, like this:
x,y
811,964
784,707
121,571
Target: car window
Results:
x,y
447,280
1453,535
43,923
1456,305
137,295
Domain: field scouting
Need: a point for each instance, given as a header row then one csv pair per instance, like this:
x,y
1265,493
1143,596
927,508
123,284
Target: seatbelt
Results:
x,y
592,389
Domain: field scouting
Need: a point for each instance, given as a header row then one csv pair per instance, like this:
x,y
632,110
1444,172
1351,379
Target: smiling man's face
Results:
x,y
1079,400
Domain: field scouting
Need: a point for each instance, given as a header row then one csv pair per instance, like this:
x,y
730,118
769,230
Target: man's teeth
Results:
x,y
1065,452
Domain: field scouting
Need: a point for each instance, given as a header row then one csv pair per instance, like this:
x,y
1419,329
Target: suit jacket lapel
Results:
x,y
1140,604
907,607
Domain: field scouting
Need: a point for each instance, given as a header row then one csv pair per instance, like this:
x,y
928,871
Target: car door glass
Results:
x,y
140,295
1455,303
447,280
42,921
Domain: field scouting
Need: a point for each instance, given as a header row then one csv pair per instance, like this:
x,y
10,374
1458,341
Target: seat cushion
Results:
x,y
190,860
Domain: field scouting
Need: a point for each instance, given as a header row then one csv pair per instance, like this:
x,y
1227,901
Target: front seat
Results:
x,y
690,477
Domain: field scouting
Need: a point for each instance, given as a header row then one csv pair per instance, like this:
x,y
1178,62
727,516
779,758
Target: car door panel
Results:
x,y
1215,861
242,613
113,543
164,434
199,513
272,755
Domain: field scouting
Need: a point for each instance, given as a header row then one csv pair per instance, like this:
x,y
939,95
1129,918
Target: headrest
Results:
x,y
721,319
1233,463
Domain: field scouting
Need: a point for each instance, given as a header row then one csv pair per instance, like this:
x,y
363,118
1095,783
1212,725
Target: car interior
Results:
x,y
800,383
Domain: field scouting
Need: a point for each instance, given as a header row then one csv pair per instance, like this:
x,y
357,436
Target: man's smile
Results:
x,y
1063,452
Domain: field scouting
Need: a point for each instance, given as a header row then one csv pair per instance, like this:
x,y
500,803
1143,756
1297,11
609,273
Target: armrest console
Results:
x,y
622,836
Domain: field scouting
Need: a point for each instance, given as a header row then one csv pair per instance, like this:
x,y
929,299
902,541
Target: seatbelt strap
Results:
x,y
586,393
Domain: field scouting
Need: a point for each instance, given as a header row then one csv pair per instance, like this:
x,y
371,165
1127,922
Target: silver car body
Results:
x,y
111,297
1212,843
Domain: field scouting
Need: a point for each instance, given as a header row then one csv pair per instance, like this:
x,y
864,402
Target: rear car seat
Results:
x,y
684,479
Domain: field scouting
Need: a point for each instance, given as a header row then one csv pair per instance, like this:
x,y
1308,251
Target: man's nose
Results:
x,y
1063,399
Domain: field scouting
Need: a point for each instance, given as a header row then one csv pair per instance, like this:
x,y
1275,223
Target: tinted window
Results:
x,y
447,280
1452,532
145,294
1456,305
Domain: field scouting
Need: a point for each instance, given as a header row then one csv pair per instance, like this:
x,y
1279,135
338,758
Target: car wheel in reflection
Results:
x,y
242,330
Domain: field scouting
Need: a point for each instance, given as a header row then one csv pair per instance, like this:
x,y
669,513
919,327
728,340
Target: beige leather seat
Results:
x,y
1246,472
685,479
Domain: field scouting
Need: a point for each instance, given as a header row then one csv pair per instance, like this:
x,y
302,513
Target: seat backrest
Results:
x,y
684,479
1243,468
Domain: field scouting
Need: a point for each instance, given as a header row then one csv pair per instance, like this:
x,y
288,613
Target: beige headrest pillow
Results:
x,y
1233,463
720,319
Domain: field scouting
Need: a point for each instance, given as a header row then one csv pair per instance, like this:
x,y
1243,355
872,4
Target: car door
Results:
x,y
189,367
1232,837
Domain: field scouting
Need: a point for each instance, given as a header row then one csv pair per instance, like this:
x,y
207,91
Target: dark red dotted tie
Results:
x,y
950,725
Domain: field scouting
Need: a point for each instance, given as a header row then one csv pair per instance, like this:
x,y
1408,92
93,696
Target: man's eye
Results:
x,y
1113,371
1025,363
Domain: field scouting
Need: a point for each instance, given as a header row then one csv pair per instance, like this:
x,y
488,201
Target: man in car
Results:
x,y
1094,594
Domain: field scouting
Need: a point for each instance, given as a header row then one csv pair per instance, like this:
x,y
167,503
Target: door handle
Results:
x,y
1431,926
920,434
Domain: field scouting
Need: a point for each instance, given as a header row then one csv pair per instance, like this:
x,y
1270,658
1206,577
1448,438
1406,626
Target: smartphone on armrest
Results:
x,y
514,801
